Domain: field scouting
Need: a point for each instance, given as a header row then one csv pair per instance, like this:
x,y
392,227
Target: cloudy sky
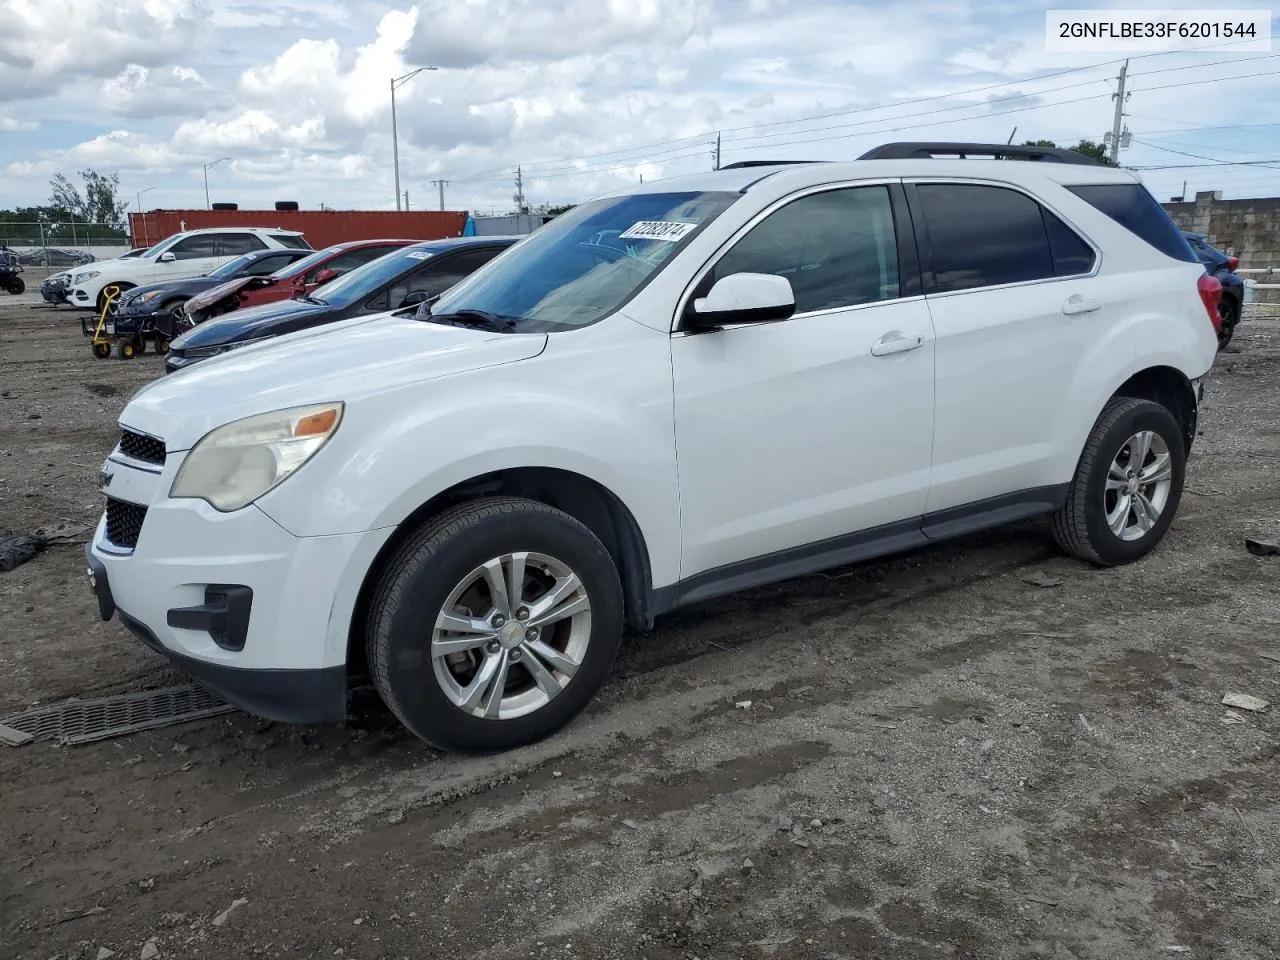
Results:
x,y
584,94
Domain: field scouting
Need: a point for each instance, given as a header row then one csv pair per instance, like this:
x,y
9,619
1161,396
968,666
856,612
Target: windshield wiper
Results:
x,y
310,299
475,318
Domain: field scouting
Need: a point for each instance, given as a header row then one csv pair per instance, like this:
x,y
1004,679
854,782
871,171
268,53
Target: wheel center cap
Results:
x,y
1133,486
511,635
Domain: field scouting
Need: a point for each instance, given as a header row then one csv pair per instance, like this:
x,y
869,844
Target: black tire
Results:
x,y
17,285
102,350
102,294
1229,311
419,579
126,349
1080,527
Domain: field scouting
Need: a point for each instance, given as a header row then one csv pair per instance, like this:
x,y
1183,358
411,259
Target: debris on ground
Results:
x,y
784,823
1234,718
743,704
221,918
16,549
149,950
1262,548
1273,657
1039,579
65,532
1243,701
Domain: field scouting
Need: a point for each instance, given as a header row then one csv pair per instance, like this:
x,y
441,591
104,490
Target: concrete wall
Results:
x,y
1248,229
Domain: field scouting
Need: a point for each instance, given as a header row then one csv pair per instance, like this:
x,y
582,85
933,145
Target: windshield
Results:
x,y
367,278
584,264
299,267
230,268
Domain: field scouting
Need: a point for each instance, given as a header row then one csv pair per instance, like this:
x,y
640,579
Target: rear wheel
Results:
x,y
17,286
1127,485
101,350
1229,311
494,625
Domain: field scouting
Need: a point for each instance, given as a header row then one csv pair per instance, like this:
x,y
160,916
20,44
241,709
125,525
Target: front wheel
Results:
x,y
1127,485
494,625
17,286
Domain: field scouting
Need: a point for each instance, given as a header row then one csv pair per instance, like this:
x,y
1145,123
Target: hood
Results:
x,y
343,361
179,288
270,319
225,289
100,265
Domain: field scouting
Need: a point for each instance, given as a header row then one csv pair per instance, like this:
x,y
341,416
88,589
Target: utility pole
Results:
x,y
395,135
1118,96
715,154
519,194
406,200
440,184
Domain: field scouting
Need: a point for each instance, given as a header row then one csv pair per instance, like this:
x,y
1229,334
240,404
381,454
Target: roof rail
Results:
x,y
764,163
926,150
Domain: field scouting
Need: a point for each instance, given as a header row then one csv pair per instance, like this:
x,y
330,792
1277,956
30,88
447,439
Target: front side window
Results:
x,y
984,236
195,248
837,248
265,266
435,278
586,263
232,268
235,244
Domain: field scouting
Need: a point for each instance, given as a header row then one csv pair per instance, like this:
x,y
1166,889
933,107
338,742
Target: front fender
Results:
x,y
594,405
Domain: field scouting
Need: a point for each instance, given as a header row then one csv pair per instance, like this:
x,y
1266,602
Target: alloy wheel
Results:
x,y
1139,480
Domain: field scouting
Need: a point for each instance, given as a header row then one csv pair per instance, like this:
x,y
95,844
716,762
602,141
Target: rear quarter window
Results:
x,y
289,240
1133,207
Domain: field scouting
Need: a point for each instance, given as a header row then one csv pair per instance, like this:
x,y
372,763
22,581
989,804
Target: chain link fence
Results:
x,y
54,246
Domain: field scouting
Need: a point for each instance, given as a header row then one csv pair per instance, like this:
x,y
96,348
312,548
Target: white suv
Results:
x,y
674,391
192,253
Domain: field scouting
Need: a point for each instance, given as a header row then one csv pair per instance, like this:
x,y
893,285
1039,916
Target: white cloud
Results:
x,y
45,44
11,124
140,91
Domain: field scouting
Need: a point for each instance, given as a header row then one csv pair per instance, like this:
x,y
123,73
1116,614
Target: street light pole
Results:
x,y
207,204
395,138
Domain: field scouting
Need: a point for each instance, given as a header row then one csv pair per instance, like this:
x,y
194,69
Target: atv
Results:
x,y
10,267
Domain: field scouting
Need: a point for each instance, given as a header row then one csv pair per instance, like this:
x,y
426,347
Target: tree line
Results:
x,y
91,211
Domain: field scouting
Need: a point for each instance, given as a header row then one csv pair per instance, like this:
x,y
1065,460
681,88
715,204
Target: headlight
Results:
x,y
237,463
149,296
85,277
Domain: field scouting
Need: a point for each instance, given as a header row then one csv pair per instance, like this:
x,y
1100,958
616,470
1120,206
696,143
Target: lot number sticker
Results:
x,y
418,255
671,230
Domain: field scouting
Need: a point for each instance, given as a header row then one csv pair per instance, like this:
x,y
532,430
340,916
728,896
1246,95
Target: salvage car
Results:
x,y
298,280
1222,266
192,253
54,289
154,308
673,392
398,279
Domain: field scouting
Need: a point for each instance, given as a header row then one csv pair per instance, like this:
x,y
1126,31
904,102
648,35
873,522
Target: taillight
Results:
x,y
1232,263
1210,290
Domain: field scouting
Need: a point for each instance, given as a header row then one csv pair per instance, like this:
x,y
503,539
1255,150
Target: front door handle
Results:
x,y
895,342
1078,304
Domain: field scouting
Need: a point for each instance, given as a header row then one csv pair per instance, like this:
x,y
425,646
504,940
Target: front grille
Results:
x,y
141,447
124,522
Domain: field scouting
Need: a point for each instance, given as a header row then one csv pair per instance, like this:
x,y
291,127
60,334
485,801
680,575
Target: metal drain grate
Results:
x,y
83,721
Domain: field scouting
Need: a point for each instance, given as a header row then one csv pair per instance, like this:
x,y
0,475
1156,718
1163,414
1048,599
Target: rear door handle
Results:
x,y
895,342
1078,304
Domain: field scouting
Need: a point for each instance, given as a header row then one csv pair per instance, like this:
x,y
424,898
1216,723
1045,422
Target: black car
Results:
x,y
139,308
1220,265
407,276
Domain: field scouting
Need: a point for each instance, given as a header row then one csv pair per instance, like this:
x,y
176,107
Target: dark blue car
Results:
x,y
1220,265
399,279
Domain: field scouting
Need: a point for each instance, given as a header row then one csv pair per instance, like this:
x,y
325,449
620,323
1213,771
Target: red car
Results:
x,y
296,280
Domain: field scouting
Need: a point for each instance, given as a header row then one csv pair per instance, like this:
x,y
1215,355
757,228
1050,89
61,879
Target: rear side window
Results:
x,y
1071,255
1133,207
292,241
984,236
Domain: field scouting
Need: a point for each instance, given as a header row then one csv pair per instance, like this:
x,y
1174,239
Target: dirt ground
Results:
x,y
939,760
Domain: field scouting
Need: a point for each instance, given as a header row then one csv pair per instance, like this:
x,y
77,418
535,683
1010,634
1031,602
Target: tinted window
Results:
x,y
1133,207
269,264
195,248
983,236
348,261
837,248
436,278
235,244
234,268
1071,255
291,241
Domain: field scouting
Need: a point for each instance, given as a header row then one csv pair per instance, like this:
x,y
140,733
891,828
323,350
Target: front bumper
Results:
x,y
235,601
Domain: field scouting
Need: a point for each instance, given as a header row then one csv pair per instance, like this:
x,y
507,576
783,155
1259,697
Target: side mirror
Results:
x,y
325,275
167,257
745,298
417,296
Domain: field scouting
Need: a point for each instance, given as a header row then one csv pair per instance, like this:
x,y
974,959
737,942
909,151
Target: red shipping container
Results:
x,y
322,228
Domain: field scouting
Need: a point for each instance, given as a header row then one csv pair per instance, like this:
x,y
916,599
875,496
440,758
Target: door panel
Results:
x,y
792,433
1006,355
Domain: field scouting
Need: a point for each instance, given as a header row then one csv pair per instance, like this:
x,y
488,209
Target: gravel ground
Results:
x,y
937,759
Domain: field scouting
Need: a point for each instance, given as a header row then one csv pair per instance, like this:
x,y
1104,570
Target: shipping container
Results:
x,y
322,228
